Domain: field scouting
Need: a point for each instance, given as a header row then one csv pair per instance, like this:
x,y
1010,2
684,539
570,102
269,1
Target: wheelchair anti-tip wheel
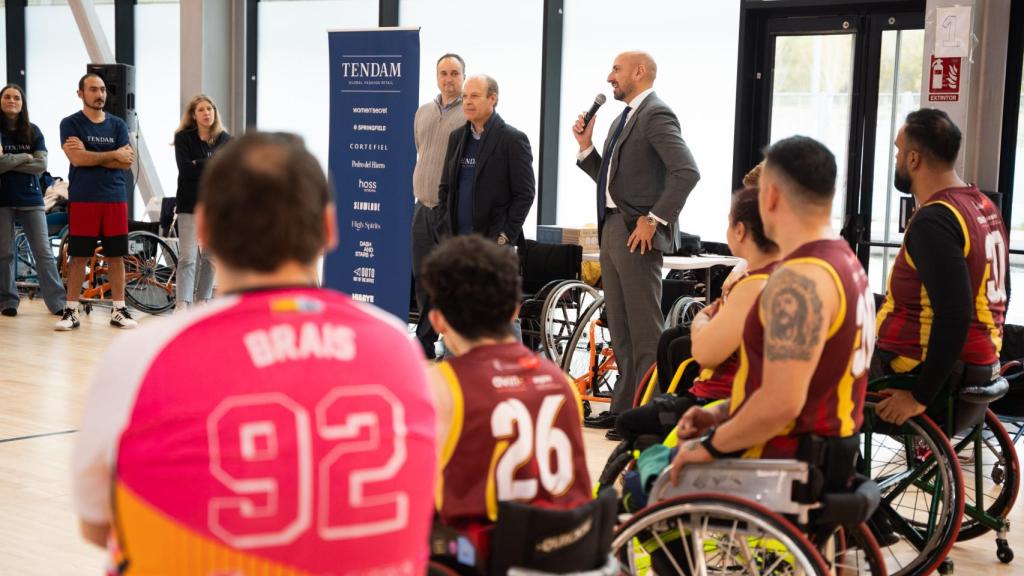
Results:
x,y
713,534
922,504
999,474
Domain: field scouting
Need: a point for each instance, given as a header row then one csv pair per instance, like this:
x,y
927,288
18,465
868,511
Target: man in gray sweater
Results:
x,y
435,120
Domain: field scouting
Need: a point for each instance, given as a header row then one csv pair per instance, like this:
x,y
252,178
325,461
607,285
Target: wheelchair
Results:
x,y
150,269
25,275
534,541
949,475
590,361
741,516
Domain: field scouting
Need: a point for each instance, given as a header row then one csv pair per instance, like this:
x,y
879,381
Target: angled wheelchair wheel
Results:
x,y
713,534
563,308
854,551
588,358
682,311
530,316
24,260
150,270
998,474
922,504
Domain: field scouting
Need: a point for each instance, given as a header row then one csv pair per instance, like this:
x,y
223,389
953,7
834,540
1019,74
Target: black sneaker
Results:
x,y
121,318
9,311
68,321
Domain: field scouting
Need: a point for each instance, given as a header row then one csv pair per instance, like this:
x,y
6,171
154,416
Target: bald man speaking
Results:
x,y
644,174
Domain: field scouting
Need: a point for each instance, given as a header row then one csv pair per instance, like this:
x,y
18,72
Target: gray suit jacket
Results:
x,y
651,169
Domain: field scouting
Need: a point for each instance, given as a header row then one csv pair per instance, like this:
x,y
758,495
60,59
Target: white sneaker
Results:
x,y
121,318
68,321
180,306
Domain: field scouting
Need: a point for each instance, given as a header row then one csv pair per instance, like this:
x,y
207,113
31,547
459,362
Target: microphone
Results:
x,y
598,101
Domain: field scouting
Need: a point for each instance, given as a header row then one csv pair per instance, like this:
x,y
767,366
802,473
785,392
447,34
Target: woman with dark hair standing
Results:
x,y
198,136
23,159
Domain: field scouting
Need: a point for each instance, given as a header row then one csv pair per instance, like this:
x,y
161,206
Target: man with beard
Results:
x,y
96,144
946,300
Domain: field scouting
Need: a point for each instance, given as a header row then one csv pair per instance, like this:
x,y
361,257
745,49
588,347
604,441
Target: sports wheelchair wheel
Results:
x,y
853,551
682,312
713,534
150,270
999,474
922,504
563,308
24,260
589,360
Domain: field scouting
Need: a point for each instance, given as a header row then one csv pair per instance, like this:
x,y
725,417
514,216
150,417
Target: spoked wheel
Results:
x,y
588,359
999,473
150,270
24,260
922,490
683,311
562,311
854,551
713,534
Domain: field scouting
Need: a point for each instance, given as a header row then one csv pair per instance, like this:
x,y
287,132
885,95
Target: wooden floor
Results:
x,y
43,380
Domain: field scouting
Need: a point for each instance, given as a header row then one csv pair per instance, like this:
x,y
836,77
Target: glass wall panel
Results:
x,y
293,92
55,59
507,47
157,84
696,53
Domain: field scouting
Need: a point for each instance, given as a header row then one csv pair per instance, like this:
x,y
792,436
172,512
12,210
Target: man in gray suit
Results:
x,y
643,175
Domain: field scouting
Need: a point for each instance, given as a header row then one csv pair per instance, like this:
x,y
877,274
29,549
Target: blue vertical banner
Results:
x,y
375,81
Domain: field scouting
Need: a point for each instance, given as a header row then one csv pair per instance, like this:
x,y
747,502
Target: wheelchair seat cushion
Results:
x,y
986,394
554,541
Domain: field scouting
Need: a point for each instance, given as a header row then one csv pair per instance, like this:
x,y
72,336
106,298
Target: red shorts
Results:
x,y
91,222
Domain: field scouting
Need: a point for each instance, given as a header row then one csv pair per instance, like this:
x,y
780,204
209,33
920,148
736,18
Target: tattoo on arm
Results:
x,y
792,312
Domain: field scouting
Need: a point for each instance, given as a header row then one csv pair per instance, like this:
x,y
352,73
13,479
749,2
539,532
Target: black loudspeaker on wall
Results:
x,y
120,81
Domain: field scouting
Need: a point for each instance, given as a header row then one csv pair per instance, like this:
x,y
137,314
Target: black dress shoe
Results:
x,y
9,311
603,420
613,434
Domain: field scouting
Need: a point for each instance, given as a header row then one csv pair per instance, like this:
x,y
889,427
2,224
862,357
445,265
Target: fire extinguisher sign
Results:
x,y
944,82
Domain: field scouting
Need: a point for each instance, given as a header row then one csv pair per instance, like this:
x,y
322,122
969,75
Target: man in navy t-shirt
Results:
x,y
96,144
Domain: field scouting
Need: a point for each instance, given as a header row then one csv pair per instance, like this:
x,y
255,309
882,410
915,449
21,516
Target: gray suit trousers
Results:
x,y
632,292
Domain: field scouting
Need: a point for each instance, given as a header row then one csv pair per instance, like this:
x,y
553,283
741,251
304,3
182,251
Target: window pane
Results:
x,y
509,52
1015,312
55,60
899,93
293,92
812,94
157,85
3,41
700,90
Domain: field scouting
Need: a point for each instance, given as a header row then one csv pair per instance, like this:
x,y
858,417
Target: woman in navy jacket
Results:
x,y
22,160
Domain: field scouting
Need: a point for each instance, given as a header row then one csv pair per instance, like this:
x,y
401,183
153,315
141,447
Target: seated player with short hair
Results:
x,y
717,330
283,428
946,299
511,424
808,341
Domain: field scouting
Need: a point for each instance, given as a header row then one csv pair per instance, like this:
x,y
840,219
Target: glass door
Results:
x,y
812,95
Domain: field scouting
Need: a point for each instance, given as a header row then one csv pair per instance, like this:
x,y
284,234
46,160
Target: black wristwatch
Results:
x,y
717,454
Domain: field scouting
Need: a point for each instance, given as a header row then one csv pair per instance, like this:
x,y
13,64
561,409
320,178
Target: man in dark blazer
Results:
x,y
644,174
487,184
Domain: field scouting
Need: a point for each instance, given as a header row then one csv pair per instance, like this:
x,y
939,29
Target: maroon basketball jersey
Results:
x,y
516,434
716,383
905,320
835,398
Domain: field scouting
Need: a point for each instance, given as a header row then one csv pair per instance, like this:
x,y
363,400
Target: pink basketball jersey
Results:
x,y
290,432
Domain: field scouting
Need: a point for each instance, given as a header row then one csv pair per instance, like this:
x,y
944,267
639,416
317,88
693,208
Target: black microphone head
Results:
x,y
600,99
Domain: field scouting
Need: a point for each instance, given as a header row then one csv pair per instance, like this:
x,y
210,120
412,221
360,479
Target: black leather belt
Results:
x,y
611,210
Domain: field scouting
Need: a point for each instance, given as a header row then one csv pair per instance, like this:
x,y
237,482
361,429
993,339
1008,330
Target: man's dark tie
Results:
x,y
606,161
